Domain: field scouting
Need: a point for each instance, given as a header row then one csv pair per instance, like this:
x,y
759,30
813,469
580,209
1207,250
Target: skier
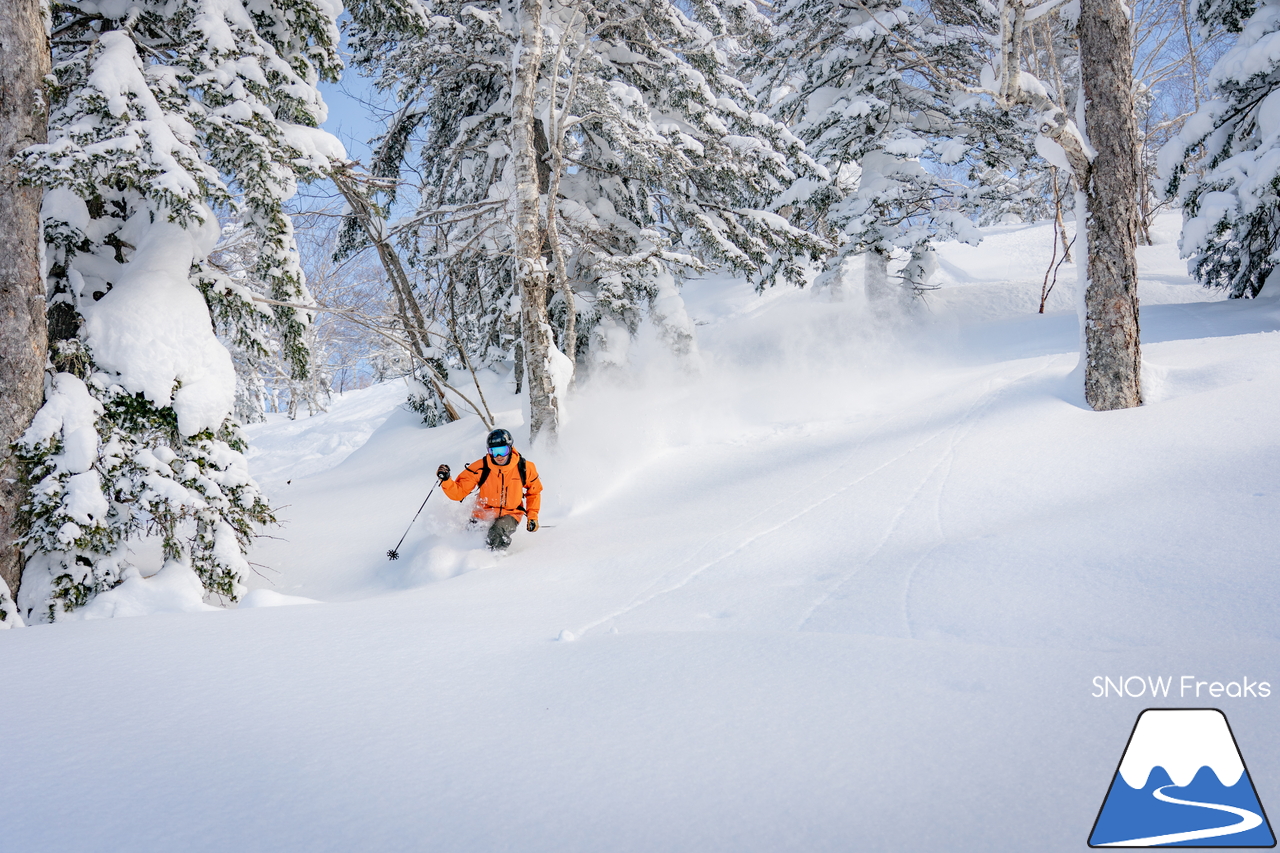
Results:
x,y
496,474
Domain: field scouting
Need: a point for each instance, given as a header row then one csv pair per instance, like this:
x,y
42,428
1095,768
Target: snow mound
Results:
x,y
174,589
268,598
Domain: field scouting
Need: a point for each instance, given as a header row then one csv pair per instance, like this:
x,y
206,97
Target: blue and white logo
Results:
x,y
1182,783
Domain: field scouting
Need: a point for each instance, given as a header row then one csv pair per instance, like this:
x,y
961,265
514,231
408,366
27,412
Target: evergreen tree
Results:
x,y
627,115
873,90
162,112
1225,163
256,343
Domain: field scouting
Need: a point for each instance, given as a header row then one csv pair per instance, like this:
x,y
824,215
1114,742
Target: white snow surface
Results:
x,y
844,588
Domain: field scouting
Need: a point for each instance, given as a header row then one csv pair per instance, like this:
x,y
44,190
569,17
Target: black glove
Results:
x,y
443,472
532,525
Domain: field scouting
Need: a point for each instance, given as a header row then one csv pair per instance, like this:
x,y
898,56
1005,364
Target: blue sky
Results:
x,y
349,114
349,118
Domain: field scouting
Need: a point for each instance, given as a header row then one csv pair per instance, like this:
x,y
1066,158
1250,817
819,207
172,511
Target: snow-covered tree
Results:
x,y
163,111
627,115
871,90
1173,55
1050,51
1225,162
259,348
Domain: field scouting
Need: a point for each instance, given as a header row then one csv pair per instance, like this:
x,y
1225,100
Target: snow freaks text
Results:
x,y
1183,687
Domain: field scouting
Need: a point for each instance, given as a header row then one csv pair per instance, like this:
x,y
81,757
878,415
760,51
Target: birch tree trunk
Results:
x,y
1113,359
24,62
556,143
531,265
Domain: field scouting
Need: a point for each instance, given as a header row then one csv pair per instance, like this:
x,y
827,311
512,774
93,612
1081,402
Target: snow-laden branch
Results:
x,y
365,322
1010,86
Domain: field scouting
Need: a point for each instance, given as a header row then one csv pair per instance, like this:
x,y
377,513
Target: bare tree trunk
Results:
x,y
556,144
1113,359
1060,86
415,325
519,369
24,62
1193,54
1145,212
1108,184
531,265
1057,214
569,343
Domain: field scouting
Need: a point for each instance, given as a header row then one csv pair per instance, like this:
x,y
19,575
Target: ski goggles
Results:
x,y
500,450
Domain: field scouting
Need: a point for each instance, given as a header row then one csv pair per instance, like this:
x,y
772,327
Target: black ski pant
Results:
x,y
500,531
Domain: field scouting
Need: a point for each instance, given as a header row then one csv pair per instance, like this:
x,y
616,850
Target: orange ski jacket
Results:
x,y
503,489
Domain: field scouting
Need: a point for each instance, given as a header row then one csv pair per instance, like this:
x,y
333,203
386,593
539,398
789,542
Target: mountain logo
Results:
x,y
1181,783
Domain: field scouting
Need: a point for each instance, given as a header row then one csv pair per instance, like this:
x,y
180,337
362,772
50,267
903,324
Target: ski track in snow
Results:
x,y
645,599
906,592
910,574
955,432
958,431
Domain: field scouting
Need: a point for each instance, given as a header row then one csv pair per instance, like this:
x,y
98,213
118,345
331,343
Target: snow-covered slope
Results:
x,y
844,587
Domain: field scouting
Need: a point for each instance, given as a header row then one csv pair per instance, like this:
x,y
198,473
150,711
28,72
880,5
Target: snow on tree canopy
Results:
x,y
153,329
655,165
162,113
1231,234
857,83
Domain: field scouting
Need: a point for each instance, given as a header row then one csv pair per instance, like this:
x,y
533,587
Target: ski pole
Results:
x,y
394,553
